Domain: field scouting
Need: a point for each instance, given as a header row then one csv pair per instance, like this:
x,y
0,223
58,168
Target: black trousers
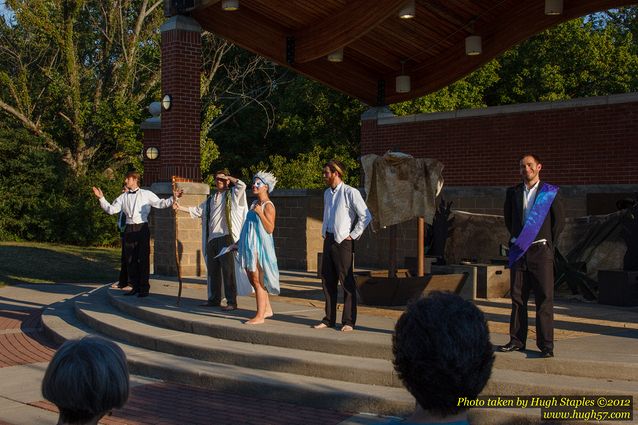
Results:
x,y
137,249
123,279
534,271
220,270
337,267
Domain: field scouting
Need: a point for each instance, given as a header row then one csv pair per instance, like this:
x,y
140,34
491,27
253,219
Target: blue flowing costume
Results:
x,y
258,246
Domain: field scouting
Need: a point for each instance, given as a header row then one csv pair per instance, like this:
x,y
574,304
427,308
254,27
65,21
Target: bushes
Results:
x,y
41,202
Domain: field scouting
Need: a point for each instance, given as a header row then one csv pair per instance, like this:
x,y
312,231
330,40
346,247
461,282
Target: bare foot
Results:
x,y
269,314
254,321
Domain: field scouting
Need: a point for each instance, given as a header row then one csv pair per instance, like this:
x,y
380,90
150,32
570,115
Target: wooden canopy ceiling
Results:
x,y
300,34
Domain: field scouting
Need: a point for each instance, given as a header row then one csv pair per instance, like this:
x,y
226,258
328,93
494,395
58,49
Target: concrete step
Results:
x,y
60,324
291,329
95,311
518,383
566,364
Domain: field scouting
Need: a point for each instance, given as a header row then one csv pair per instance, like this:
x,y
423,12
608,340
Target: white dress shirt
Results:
x,y
238,209
136,206
529,197
341,206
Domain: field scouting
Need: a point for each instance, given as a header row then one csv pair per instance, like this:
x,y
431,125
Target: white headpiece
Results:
x,y
268,178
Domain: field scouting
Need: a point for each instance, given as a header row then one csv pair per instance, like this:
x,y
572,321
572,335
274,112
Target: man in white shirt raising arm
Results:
x,y
223,214
136,204
345,216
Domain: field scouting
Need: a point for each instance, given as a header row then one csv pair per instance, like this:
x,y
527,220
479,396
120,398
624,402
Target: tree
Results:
x,y
312,124
575,59
83,68
232,80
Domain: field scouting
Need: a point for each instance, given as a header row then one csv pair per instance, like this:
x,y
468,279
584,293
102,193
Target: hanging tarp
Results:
x,y
400,187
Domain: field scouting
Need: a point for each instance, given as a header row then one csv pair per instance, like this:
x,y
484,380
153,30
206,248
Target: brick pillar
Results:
x,y
181,124
179,148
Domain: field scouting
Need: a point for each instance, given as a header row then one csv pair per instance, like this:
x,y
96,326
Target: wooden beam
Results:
x,y
346,77
335,32
454,64
246,29
435,62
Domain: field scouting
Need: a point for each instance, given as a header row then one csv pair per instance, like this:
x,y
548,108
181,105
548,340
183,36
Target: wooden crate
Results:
x,y
492,281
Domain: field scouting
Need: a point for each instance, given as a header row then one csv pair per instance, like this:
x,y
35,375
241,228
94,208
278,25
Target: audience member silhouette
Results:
x,y
442,352
86,379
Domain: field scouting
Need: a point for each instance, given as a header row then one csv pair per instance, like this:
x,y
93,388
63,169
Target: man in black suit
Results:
x,y
534,217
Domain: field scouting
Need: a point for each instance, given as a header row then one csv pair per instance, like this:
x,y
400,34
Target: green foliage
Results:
x,y
574,59
313,124
116,125
466,93
29,185
41,202
86,69
305,170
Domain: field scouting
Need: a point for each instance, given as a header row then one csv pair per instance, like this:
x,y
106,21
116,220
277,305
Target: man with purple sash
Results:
x,y
534,217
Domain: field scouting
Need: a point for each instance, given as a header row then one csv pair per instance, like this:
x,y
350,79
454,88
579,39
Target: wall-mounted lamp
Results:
x,y
152,153
167,102
402,83
408,11
230,5
336,56
473,45
553,7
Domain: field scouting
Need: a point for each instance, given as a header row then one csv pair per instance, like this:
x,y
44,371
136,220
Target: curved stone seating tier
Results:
x,y
285,359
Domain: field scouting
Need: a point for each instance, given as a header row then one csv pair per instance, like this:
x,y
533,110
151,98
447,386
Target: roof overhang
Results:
x,y
378,45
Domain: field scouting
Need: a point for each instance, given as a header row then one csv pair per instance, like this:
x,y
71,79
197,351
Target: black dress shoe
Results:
x,y
132,292
142,295
510,346
546,354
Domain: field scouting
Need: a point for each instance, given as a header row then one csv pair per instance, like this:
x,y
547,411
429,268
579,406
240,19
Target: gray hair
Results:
x,y
86,379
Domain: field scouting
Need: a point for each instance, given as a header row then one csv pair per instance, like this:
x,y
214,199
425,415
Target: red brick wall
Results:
x,y
580,145
181,69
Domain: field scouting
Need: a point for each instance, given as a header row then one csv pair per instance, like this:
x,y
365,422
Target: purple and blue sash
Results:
x,y
535,219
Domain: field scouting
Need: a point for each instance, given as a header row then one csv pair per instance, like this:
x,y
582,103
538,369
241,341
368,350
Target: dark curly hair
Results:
x,y
442,351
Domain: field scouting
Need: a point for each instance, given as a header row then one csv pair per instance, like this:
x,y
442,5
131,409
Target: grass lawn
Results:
x,y
31,262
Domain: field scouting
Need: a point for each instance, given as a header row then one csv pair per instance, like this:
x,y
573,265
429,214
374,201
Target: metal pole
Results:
x,y
392,251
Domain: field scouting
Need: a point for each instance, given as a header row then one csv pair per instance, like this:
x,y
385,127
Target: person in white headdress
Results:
x,y
256,246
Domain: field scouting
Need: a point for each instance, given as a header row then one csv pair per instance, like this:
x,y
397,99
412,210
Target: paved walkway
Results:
x,y
25,352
